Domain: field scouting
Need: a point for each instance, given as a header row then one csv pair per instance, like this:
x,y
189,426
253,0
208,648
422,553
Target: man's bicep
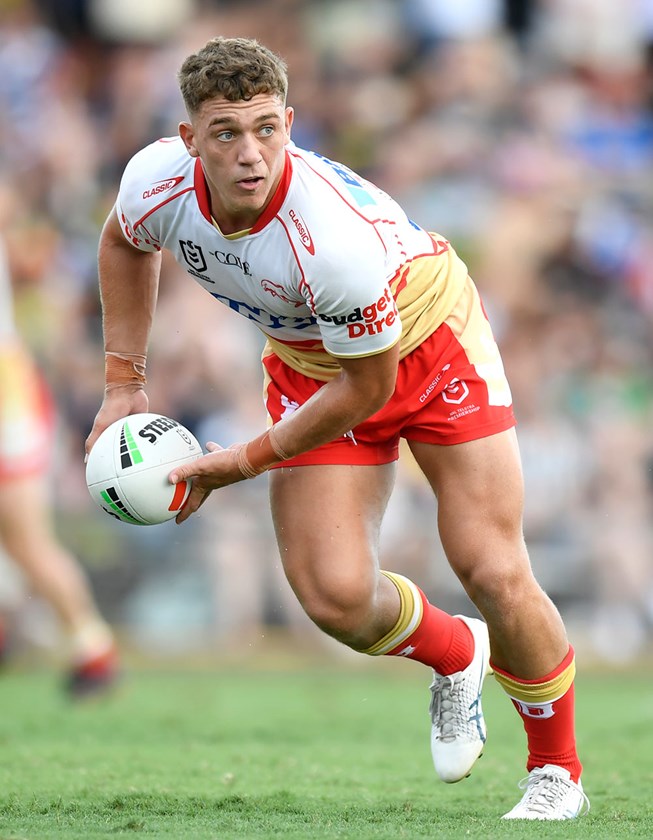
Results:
x,y
111,230
114,235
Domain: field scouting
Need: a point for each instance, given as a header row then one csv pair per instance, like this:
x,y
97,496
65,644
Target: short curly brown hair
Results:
x,y
235,68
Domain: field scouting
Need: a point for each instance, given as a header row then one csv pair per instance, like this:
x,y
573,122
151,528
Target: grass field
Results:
x,y
284,752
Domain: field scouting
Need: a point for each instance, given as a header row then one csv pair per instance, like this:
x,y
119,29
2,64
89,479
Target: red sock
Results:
x,y
548,720
441,641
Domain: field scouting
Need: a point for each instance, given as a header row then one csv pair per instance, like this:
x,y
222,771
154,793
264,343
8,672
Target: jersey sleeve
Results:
x,y
130,205
351,298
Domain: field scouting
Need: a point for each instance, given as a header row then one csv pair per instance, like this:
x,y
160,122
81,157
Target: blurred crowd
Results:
x,y
521,131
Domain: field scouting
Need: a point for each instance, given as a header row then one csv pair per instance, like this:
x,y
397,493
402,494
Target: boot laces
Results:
x,y
545,790
446,707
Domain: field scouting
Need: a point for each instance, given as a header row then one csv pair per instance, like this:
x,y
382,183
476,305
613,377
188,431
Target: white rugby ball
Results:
x,y
127,469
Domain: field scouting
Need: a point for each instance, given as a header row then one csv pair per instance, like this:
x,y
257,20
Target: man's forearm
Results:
x,y
129,281
361,389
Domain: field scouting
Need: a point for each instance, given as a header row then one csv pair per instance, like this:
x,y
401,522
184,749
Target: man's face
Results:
x,y
241,146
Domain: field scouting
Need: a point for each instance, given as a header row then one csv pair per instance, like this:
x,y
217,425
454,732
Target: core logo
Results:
x,y
302,230
163,186
455,392
370,320
227,258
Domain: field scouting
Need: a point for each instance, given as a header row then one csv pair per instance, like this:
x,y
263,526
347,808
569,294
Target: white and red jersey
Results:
x,y
332,268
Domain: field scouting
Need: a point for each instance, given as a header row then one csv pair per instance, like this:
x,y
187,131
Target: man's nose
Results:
x,y
249,151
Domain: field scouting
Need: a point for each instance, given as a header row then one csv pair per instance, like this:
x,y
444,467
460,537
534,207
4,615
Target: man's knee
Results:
x,y
339,607
500,581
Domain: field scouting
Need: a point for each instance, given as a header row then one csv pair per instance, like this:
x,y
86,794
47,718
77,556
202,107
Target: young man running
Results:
x,y
374,332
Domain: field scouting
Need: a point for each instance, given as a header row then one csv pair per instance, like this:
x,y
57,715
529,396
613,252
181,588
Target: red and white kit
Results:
x,y
333,268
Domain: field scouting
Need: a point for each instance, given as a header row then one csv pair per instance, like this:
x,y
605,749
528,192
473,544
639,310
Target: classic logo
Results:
x,y
276,290
455,392
302,230
369,320
193,255
163,186
433,384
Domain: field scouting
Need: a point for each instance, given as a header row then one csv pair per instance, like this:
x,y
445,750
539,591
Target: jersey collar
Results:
x,y
202,193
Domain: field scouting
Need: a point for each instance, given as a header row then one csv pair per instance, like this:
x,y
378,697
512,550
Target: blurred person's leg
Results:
x,y
27,534
28,537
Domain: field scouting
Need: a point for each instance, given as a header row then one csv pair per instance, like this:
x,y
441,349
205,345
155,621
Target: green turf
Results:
x,y
285,753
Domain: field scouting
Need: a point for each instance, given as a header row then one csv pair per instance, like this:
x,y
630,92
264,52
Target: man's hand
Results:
x,y
217,469
118,403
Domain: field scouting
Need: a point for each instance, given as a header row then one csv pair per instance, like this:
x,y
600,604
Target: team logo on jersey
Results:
x,y
277,290
303,231
163,186
193,255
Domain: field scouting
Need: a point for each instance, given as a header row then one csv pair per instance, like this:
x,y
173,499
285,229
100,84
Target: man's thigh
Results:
x,y
327,520
479,487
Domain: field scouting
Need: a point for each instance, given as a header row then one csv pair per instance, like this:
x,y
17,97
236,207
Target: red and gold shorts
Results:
x,y
451,389
26,416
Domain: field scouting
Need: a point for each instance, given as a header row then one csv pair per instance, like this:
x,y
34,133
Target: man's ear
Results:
x,y
187,134
288,120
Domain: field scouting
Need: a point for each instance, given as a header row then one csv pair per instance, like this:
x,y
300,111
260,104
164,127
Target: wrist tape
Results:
x,y
124,369
260,454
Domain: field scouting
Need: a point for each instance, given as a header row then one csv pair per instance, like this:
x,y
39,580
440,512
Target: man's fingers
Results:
x,y
195,500
205,473
182,473
193,468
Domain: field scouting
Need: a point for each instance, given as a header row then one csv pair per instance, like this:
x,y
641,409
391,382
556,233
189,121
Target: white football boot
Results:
x,y
458,730
549,794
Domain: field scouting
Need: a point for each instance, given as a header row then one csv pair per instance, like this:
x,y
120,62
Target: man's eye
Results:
x,y
225,136
267,130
